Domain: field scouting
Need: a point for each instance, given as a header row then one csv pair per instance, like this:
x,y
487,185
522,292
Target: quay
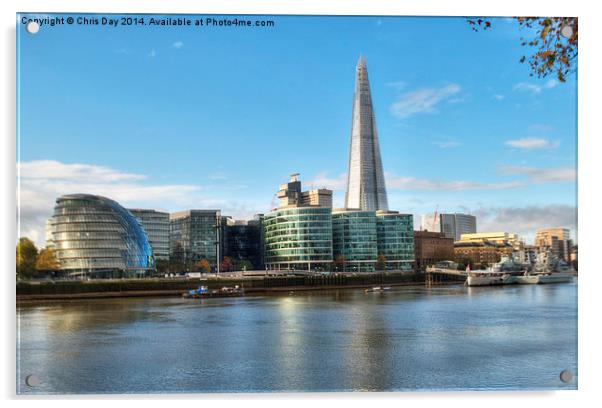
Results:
x,y
35,291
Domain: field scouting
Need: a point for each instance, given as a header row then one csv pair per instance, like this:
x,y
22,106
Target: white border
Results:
x,y
589,181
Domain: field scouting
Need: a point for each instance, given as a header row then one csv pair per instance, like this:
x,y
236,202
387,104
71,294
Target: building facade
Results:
x,y
354,240
505,238
555,240
193,236
478,254
365,179
243,241
298,238
430,248
94,236
156,225
395,239
454,225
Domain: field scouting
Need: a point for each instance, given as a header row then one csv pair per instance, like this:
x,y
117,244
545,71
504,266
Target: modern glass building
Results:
x,y
156,225
298,238
395,239
193,235
96,237
454,225
242,241
365,178
354,240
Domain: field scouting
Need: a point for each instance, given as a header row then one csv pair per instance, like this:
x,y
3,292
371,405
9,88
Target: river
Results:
x,y
412,338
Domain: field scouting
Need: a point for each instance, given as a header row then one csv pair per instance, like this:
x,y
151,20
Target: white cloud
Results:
x,y
152,53
532,143
447,144
498,97
178,44
543,175
526,220
413,183
534,88
41,182
322,180
422,101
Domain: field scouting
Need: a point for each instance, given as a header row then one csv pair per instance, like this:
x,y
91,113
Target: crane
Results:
x,y
435,218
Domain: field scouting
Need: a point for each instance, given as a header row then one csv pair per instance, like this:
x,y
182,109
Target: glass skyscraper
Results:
x,y
193,235
156,225
365,180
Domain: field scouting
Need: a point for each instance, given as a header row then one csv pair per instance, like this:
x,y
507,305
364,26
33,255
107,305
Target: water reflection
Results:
x,y
443,337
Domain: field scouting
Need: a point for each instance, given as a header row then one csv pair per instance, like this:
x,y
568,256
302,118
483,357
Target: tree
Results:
x,y
47,260
162,266
226,264
203,266
555,41
381,262
339,263
245,265
27,255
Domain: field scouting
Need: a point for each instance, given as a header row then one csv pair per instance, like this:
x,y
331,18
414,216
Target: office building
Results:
x,y
193,236
243,242
354,240
496,237
430,248
479,254
94,236
156,225
395,239
454,225
555,240
365,179
298,236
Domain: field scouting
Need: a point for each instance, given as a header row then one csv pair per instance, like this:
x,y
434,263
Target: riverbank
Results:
x,y
32,292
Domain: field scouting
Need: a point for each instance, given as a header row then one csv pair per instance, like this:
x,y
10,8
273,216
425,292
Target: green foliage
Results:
x,y
555,41
245,264
27,255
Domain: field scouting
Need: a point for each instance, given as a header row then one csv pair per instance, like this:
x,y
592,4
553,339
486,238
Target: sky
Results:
x,y
175,118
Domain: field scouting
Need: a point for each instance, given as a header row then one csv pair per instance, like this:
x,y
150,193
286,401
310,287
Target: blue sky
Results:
x,y
174,118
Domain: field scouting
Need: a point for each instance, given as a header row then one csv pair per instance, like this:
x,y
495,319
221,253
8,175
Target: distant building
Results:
x,y
430,248
193,235
94,236
454,225
478,254
298,236
49,233
354,240
243,241
156,225
555,240
495,237
319,196
430,222
395,239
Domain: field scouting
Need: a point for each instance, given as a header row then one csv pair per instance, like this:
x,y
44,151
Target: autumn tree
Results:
x,y
47,260
27,255
226,264
554,41
203,266
381,262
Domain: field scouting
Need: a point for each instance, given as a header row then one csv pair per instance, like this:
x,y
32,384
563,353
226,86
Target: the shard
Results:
x,y
365,180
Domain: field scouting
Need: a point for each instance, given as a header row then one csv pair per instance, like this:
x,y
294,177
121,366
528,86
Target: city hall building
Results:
x,y
95,237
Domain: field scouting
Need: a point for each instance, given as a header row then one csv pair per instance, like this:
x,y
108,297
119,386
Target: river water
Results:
x,y
412,338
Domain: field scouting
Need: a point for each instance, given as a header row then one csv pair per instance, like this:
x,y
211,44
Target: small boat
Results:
x,y
377,289
204,292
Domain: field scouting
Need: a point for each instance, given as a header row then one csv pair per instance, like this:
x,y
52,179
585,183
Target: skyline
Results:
x,y
495,142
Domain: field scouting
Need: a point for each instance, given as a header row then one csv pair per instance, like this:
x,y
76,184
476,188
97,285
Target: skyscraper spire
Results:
x,y
365,180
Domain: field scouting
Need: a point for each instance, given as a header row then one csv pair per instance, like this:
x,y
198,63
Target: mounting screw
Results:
x,y
32,380
566,376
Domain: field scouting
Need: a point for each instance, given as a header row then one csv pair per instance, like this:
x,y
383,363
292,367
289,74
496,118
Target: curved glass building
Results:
x,y
299,238
95,236
354,240
395,235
